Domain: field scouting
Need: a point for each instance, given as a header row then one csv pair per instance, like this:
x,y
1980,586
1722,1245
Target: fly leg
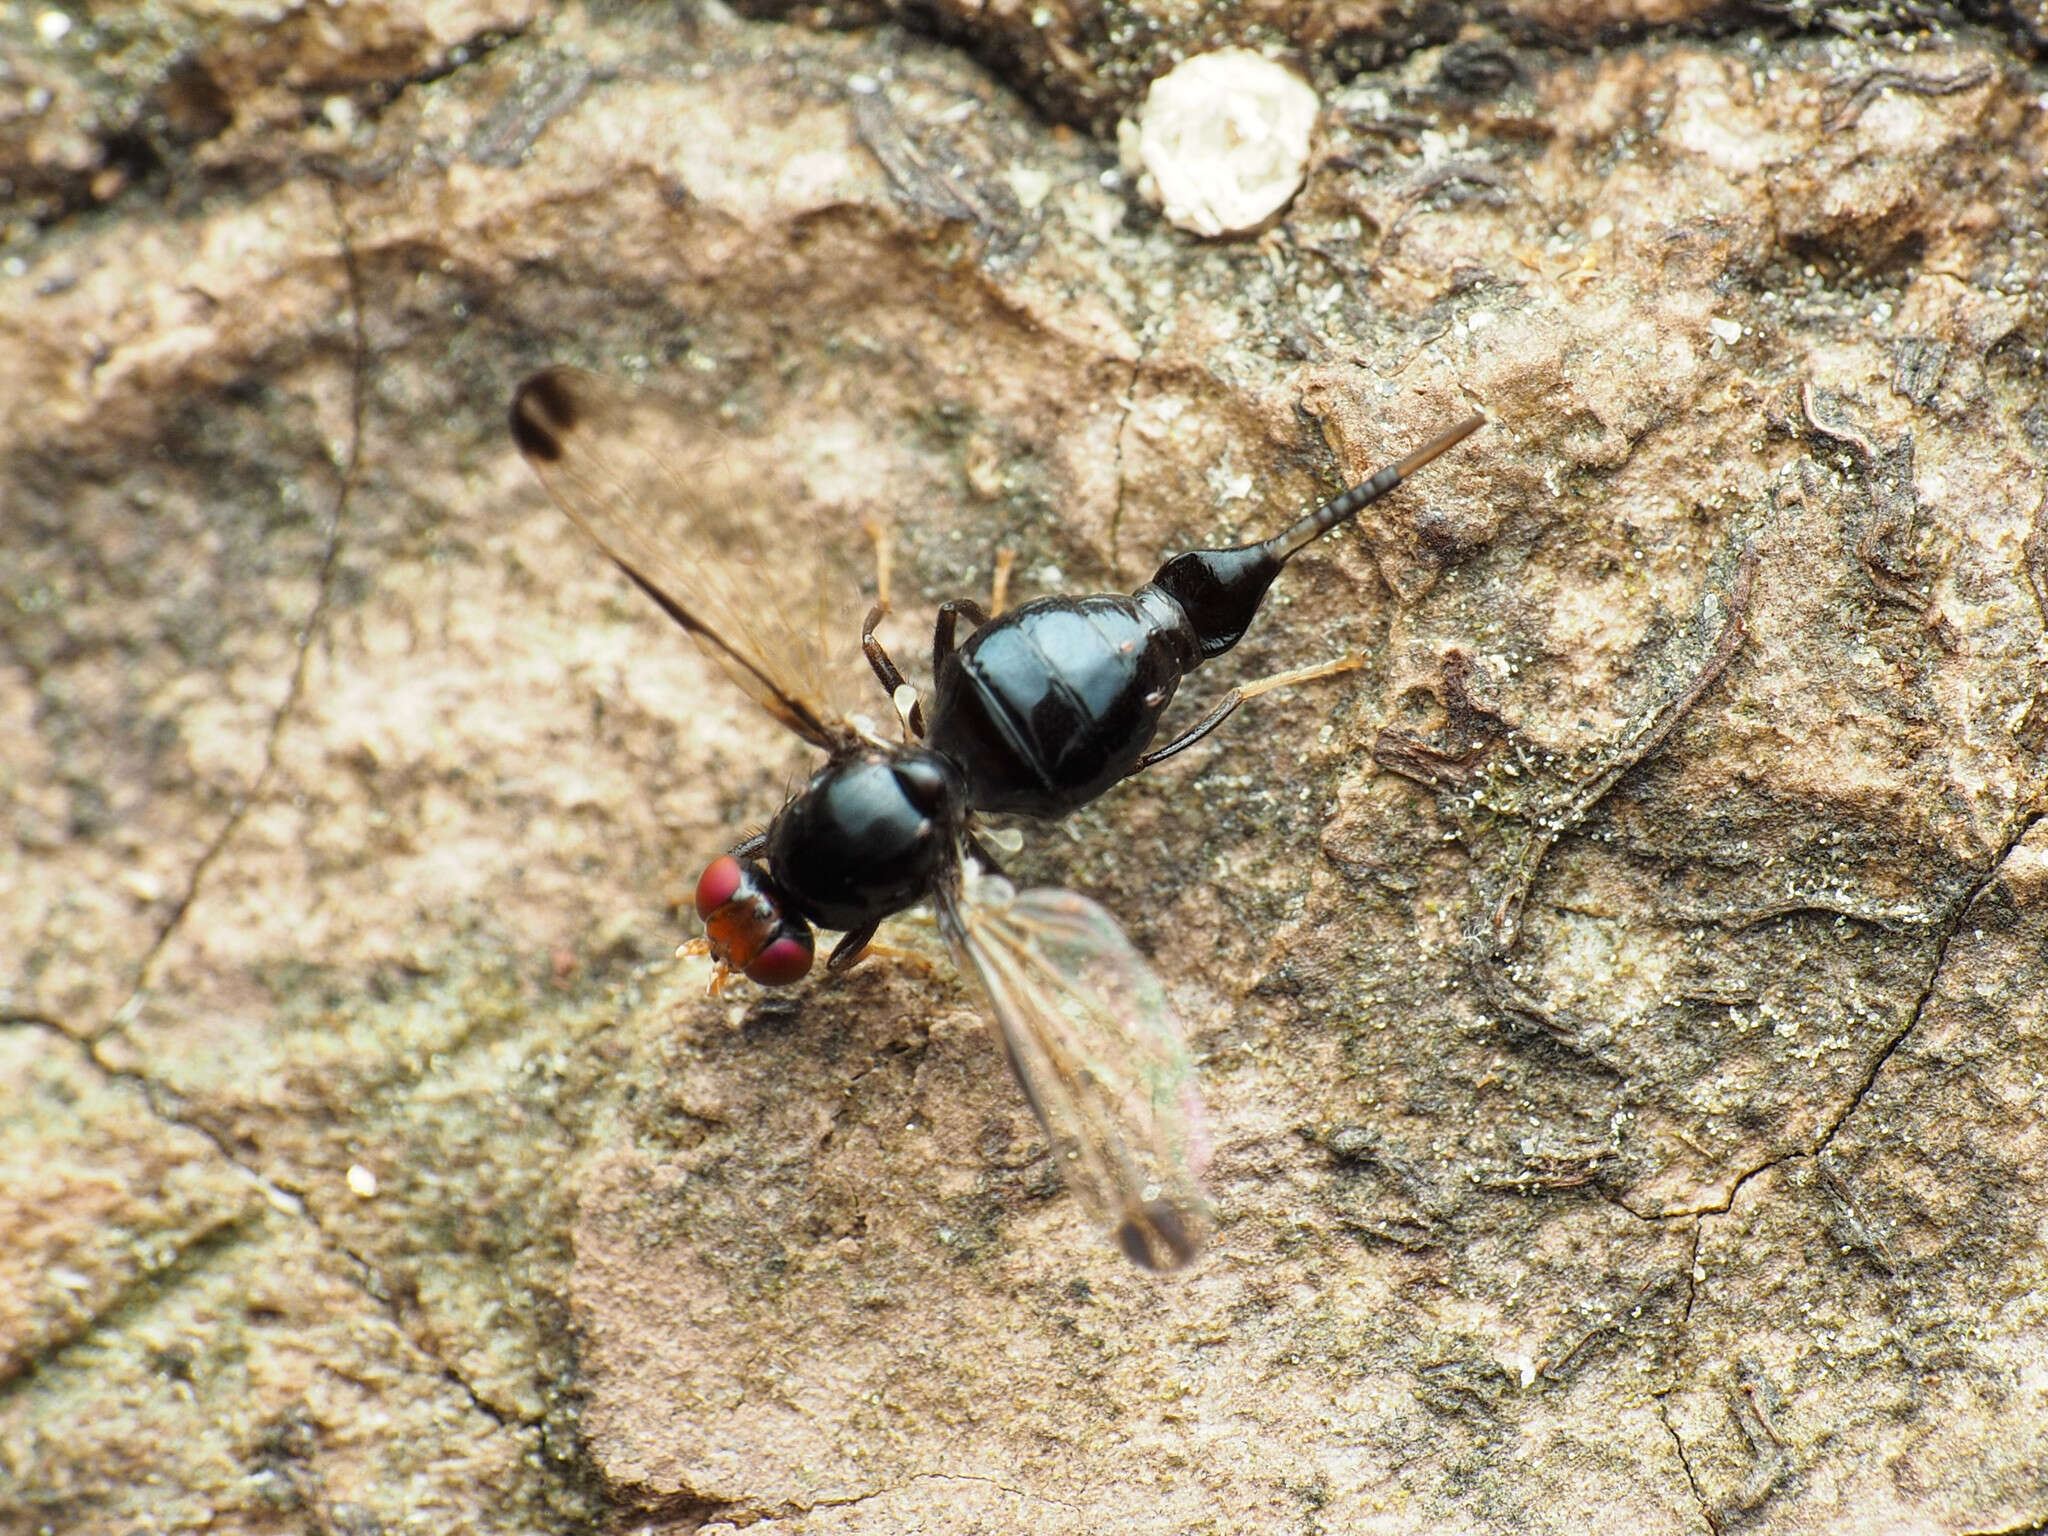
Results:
x,y
980,851
999,583
1237,696
847,952
950,613
877,530
859,944
955,609
902,694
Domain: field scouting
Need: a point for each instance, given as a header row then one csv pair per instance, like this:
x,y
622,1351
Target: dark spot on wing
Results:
x,y
542,410
1157,1236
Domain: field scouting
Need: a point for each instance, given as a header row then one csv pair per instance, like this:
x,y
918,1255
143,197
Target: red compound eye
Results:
x,y
783,962
719,883
746,925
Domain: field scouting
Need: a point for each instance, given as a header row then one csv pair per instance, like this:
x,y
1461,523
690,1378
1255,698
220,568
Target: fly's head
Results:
x,y
750,926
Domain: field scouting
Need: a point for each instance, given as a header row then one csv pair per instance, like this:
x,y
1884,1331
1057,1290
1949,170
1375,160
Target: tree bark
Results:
x,y
1622,1002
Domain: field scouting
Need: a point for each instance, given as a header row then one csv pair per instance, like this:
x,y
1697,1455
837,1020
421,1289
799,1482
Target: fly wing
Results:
x,y
1099,1053
651,489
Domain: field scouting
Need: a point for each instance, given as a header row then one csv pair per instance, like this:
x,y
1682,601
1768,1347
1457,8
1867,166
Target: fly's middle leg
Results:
x,y
999,581
847,953
951,612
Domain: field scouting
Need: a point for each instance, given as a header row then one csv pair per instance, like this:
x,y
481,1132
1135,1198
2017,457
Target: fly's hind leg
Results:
x,y
1229,702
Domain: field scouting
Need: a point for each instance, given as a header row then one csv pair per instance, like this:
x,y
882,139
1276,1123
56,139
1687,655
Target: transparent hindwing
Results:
x,y
774,604
1099,1054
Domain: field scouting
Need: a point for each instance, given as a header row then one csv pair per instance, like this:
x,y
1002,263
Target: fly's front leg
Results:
x,y
877,530
1237,696
901,693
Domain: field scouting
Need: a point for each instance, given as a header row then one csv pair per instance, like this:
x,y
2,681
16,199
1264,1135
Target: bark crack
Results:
x,y
1684,1460
35,1018
1693,1276
2024,1528
308,632
279,1196
1954,926
1951,928
163,1101
748,1514
1553,822
198,1244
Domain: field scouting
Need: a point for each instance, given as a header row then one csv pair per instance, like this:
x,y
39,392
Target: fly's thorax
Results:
x,y
868,835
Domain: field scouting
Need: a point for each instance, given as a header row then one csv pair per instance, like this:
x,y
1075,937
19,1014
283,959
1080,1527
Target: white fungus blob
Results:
x,y
1223,140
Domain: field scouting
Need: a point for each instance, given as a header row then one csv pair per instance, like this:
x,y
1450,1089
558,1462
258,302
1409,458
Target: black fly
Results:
x,y
1037,711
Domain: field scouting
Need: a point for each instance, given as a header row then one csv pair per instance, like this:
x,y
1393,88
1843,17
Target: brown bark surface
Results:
x,y
1622,1004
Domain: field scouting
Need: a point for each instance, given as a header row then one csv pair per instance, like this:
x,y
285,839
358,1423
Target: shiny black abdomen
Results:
x,y
868,836
1046,706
